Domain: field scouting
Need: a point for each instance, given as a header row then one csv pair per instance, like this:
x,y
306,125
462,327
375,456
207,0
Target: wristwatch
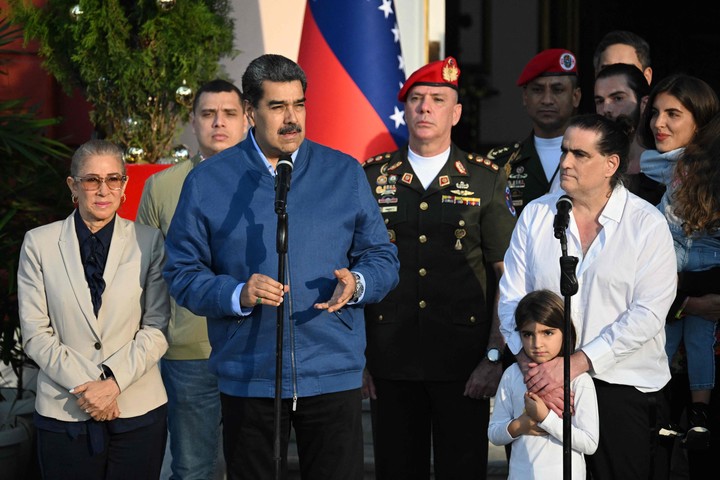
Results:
x,y
493,355
359,289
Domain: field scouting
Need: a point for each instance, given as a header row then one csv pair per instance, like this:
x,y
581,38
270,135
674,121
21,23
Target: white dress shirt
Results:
x,y
540,457
627,282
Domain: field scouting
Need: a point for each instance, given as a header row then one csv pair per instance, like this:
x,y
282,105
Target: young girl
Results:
x,y
522,418
681,116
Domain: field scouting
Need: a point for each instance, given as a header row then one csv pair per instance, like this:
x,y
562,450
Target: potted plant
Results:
x,y
32,192
137,63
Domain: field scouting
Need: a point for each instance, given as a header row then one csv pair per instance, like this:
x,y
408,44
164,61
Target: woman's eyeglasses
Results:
x,y
90,183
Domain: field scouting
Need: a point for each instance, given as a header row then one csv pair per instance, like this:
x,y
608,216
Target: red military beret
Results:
x,y
442,73
553,61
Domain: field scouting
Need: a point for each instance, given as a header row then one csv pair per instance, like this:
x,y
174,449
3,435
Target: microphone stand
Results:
x,y
568,287
281,247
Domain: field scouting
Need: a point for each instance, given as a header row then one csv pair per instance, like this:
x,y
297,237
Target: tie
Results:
x,y
94,272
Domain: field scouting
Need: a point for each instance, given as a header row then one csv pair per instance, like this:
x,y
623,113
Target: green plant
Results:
x,y
137,61
32,192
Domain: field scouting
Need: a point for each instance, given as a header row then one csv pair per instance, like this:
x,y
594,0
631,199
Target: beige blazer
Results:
x,y
61,333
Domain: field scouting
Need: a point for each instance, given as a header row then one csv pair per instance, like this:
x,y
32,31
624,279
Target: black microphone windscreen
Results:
x,y
564,204
284,160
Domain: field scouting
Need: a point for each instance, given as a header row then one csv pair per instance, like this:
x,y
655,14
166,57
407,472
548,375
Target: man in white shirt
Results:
x,y
626,283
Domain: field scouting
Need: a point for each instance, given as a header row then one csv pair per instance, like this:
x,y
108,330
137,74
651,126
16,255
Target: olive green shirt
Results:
x,y
187,333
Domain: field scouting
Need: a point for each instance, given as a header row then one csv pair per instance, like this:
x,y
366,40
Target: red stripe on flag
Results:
x,y
338,114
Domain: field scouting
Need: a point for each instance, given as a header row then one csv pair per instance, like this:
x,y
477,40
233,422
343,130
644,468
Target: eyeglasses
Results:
x,y
91,183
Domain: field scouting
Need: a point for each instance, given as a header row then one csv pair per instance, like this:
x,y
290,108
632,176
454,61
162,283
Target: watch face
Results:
x,y
493,355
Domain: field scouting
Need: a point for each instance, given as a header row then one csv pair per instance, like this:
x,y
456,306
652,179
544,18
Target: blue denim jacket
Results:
x,y
661,167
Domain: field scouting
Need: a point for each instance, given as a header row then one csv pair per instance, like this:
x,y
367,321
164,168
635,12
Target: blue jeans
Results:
x,y
193,418
697,333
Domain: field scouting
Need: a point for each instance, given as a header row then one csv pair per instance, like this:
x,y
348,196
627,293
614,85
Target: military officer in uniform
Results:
x,y
551,96
433,343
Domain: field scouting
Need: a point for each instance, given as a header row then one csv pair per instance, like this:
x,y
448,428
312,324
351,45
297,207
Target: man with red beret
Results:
x,y
433,343
551,96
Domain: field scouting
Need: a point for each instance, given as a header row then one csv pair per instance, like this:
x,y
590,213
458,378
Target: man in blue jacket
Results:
x,y
222,263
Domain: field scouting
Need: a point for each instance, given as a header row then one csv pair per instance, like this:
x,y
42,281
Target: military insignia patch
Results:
x,y
509,202
460,167
444,181
450,71
407,178
395,166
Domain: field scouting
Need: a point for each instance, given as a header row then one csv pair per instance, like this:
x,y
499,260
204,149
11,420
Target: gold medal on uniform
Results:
x,y
459,235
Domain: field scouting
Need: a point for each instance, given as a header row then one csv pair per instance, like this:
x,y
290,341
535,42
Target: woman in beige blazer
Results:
x,y
94,310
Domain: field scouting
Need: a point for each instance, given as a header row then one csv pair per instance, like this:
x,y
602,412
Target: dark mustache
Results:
x,y
291,128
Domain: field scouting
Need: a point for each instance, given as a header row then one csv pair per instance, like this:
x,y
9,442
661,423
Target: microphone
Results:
x,y
562,217
283,172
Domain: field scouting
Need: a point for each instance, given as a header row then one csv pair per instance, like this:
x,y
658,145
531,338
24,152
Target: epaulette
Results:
x,y
503,151
484,161
381,158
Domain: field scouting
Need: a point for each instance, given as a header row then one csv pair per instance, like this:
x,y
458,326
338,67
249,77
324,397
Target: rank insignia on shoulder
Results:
x,y
375,159
485,162
496,151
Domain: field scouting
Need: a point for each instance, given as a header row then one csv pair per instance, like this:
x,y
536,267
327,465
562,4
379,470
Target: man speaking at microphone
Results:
x,y
626,284
222,263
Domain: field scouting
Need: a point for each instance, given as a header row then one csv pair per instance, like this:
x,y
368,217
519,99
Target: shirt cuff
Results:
x,y
238,309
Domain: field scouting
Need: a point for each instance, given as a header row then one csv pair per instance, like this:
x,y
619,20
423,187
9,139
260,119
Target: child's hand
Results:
x,y
535,407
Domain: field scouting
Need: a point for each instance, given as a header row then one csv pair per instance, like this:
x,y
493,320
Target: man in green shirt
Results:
x,y
219,122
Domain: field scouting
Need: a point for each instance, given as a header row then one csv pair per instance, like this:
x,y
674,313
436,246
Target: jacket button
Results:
x,y
380,318
422,304
422,238
98,346
423,206
472,319
422,272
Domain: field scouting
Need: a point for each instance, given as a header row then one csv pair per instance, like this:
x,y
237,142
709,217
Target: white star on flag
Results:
x,y
398,117
386,8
